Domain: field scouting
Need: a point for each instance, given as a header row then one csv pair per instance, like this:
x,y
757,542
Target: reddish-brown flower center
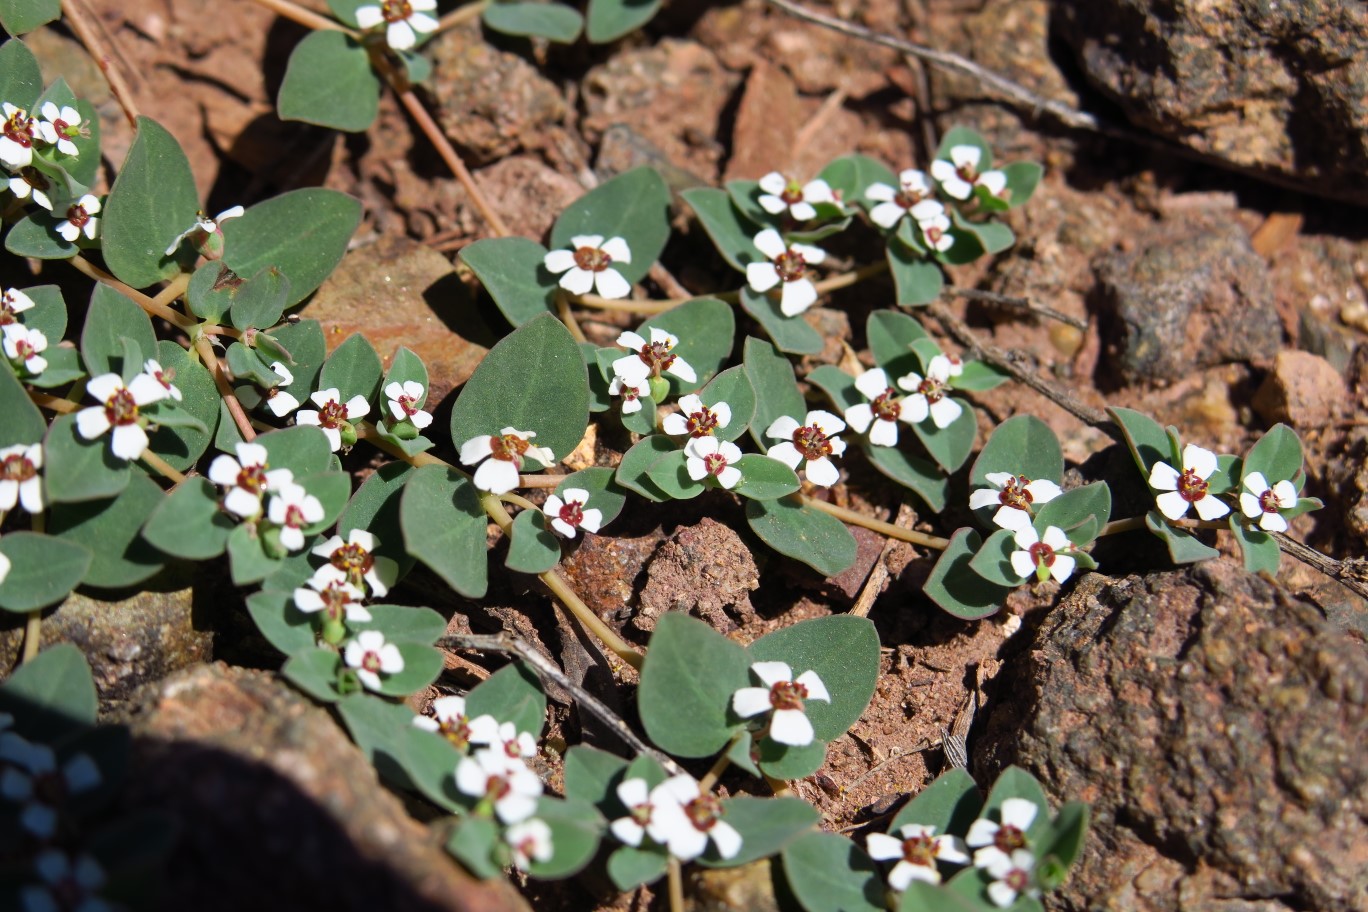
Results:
x,y
1009,838
34,178
120,408
496,787
811,442
592,259
509,448
714,463
920,850
9,312
701,423
456,730
886,406
787,695
932,389
252,478
1017,879
164,377
967,173
77,215
408,404
19,128
294,517
1043,555
641,813
908,197
792,193
352,559
572,513
332,413
335,601
371,661
790,265
1015,494
395,10
1269,502
1191,487
703,812
933,233
17,467
657,356
24,349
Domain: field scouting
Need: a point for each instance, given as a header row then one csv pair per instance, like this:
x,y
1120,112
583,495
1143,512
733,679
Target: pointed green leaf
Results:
x,y
776,388
951,804
512,271
731,232
609,20
551,21
112,321
634,206
763,478
21,80
23,422
1277,455
533,547
790,334
829,873
354,369
955,587
329,82
1146,438
303,233
687,682
766,825
152,201
1259,549
51,692
1182,546
918,281
77,469
993,560
109,530
43,570
444,527
199,408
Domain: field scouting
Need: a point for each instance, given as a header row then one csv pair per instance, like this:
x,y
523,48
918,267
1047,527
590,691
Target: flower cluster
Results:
x,y
36,152
404,20
782,698
677,815
928,397
31,778
248,480
337,590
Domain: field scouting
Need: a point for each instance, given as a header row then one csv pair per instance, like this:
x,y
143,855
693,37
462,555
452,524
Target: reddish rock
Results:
x,y
769,116
1302,390
705,569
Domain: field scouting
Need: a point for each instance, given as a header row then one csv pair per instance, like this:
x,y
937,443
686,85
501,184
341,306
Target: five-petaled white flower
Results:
x,y
404,400
696,419
371,656
120,412
959,176
631,392
154,370
1259,500
641,820
247,478
914,196
332,413
814,441
995,840
1040,556
403,20
1188,488
16,137
935,231
450,720
1012,877
81,219
687,819
513,745
68,884
707,456
590,265
928,395
358,562
510,787
292,508
328,591
12,303
782,193
204,226
32,778
1014,497
651,359
278,401
784,695
788,264
917,852
22,346
60,126
32,182
19,481
568,515
881,413
527,842
503,458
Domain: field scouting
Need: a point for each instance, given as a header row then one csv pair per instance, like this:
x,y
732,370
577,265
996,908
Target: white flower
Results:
x,y
631,392
356,560
506,741
881,414
913,195
935,229
687,819
511,788
247,478
19,481
503,458
696,419
706,456
403,19
59,126
1011,877
1014,498
119,411
1041,556
16,137
814,441
278,401
450,720
589,265
528,841
31,181
567,513
784,695
1259,500
998,840
960,175
917,852
154,370
651,359
69,885
403,403
203,227
292,508
781,193
22,345
33,779
13,303
928,394
787,264
80,219
641,819
371,656
332,413
328,591
1188,488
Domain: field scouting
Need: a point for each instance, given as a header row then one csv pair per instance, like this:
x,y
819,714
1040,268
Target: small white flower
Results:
x,y
880,415
527,842
1014,498
119,411
814,441
913,195
278,401
1188,488
781,193
1012,877
787,264
32,778
929,394
707,456
589,265
154,370
358,562
328,591
568,515
696,419
32,182
687,819
917,852
247,478
506,741
68,884
501,458
1041,556
935,229
403,403
511,788
998,840
12,304
641,820
60,126
16,137
371,656
450,720
292,508
204,226
960,175
631,392
332,413
651,359
404,20
783,694
19,481
80,219
1258,501
22,346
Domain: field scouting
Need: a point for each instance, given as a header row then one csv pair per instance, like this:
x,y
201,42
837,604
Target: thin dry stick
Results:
x,y
148,304
1349,572
461,14
859,519
230,399
874,584
917,12
993,297
161,467
88,31
829,106
304,16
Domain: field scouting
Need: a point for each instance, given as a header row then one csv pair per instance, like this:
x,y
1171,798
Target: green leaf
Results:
x,y
731,232
210,292
790,334
247,558
77,469
246,364
1183,547
303,233
766,825
891,335
1081,512
920,475
444,527
1145,437
803,533
687,682
51,692
405,623
375,508
853,175
23,422
1021,445
763,478
1022,178
609,20
48,314
592,774
152,201
111,321
964,136
43,570
955,587
512,271
183,445
993,561
706,329
471,843
64,368
303,450
1277,455
329,82
511,694
979,376
533,548
21,79
422,665
380,729
315,673
917,280
923,896
1064,838
354,369
604,493
950,446
633,473
951,804
844,651
993,237
634,206
551,21
670,475
20,16
1259,549
829,873
109,530
629,867
776,389
282,624
259,301
533,380
787,761
576,829
35,235
733,387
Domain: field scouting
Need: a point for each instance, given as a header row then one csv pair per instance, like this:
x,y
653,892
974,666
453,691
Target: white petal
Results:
x,y
1209,508
308,601
803,211
984,497
497,476
930,211
577,281
791,726
627,831
773,183
400,35
687,843
751,701
1269,522
966,156
818,191
880,192
129,441
1011,518
882,433
1200,461
788,454
859,417
243,503
1164,477
886,215
872,383
1283,490
1043,491
1056,539
1001,894
587,240
591,520
1251,506
945,411
675,424
1062,568
31,496
1019,812
772,204
728,477
617,248
725,837
816,689
797,297
611,284
104,386
821,472
632,341
357,406
282,403
882,847
915,408
770,243
681,369
369,16
761,276
422,22
995,181
1172,505
334,438
476,448
782,428
772,672
1023,564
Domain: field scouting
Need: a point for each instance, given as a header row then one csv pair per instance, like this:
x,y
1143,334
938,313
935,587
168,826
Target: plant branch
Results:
x,y
161,467
993,297
518,501
675,880
88,31
304,17
1352,573
33,634
720,764
539,481
934,542
660,305
173,290
53,403
176,319
205,348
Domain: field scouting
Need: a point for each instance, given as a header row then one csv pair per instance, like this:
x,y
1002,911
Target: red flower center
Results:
x,y
787,695
8,310
933,234
409,404
252,478
395,10
1269,502
701,423
657,356
932,389
77,215
120,408
1017,879
371,662
908,197
19,128
352,559
592,259
164,377
641,813
792,193
294,517
335,601
812,442
457,730
714,463
967,173
509,448
886,406
1044,556
920,850
24,349
572,513
1190,487
1014,493
790,265
332,413
704,812
17,467
1009,838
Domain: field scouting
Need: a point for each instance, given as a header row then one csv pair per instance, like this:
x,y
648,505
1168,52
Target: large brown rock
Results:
x,y
1215,725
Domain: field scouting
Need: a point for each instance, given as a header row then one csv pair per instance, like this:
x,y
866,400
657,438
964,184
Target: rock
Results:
x,y
705,569
769,116
527,194
1273,87
749,887
1189,294
604,569
1302,390
277,809
1216,727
